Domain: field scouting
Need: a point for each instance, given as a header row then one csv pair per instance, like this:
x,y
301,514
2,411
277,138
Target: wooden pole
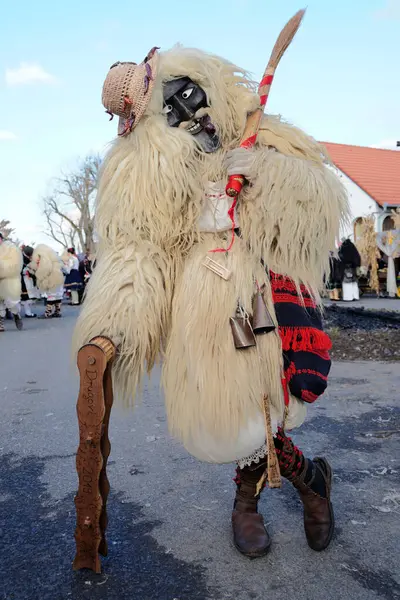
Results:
x,y
249,137
93,410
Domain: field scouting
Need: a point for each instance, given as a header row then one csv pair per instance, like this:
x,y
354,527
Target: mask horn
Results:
x,y
262,320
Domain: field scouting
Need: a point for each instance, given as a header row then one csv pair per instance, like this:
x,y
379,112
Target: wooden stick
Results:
x,y
104,484
93,409
272,473
249,138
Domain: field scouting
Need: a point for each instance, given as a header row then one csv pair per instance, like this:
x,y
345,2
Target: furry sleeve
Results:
x,y
291,214
128,300
10,261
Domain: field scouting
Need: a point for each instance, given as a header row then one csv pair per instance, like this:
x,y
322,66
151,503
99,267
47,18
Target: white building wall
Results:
x,y
361,205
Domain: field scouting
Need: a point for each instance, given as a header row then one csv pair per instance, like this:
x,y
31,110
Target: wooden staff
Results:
x,y
93,409
236,182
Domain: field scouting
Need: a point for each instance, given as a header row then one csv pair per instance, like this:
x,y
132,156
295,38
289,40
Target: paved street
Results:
x,y
169,515
368,303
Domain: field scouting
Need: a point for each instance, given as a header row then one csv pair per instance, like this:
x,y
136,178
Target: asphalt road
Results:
x,y
169,515
369,303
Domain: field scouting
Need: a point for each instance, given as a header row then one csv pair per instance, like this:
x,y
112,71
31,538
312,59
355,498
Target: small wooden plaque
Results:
x,y
217,268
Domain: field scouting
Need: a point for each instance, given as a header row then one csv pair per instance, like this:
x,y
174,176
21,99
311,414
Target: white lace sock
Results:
x,y
253,458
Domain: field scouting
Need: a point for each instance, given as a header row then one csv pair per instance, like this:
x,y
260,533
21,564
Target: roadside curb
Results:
x,y
362,311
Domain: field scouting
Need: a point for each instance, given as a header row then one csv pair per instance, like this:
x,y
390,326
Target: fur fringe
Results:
x,y
286,186
208,384
290,140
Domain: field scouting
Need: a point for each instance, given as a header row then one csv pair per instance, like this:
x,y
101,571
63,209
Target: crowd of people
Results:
x,y
29,275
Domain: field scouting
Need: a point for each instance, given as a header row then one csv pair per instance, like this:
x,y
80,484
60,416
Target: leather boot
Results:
x,y
319,522
249,533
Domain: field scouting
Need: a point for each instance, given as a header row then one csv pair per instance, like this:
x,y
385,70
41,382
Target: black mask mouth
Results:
x,y
203,129
183,99
204,123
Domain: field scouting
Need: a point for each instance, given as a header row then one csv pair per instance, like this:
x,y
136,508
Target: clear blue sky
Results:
x,y
339,80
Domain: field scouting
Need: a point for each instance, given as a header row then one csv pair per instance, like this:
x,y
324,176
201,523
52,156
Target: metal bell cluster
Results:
x,y
245,328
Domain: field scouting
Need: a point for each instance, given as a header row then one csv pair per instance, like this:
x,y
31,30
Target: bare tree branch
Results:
x,y
69,210
5,229
53,226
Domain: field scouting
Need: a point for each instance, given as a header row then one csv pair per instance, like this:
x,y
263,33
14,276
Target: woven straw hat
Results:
x,y
127,90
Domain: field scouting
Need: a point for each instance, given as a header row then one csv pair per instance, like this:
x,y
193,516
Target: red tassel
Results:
x,y
303,339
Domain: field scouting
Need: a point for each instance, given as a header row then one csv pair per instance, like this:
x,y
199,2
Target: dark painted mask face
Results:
x,y
182,100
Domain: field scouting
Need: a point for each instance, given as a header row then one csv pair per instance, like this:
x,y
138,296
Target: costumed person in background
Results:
x,y
28,283
162,214
350,263
382,260
10,281
73,281
85,270
50,273
335,278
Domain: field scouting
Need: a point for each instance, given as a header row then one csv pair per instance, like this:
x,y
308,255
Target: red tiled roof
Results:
x,y
374,170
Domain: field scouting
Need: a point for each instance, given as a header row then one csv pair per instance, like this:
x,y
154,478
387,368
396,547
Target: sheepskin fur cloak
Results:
x,y
150,292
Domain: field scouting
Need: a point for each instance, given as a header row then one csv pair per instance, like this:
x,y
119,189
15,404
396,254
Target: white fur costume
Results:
x,y
47,266
150,291
10,277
